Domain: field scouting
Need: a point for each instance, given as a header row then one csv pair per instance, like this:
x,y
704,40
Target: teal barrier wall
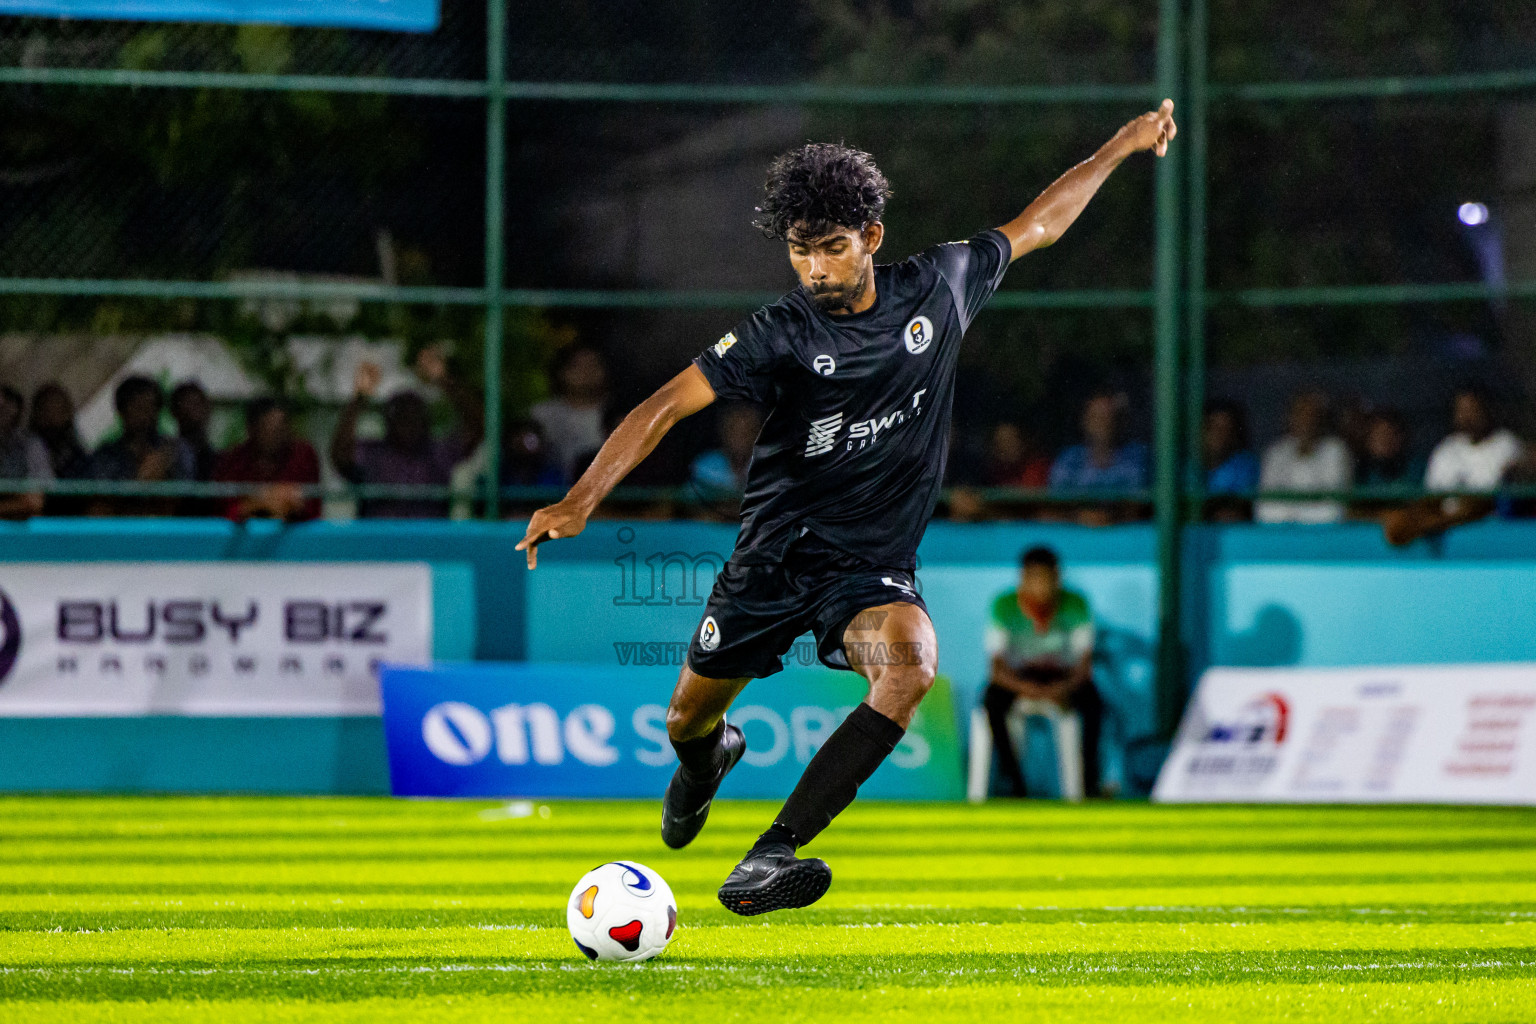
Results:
x,y
1340,596
1306,596
280,755
633,593
193,755
491,628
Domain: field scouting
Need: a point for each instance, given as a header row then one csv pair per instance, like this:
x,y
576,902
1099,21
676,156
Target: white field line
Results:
x,y
1449,908
1161,971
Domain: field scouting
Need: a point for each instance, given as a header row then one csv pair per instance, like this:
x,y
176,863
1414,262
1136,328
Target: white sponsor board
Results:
x,y
106,639
1430,734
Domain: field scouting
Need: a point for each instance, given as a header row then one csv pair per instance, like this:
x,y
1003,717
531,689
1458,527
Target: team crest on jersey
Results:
x,y
918,334
725,343
824,365
709,634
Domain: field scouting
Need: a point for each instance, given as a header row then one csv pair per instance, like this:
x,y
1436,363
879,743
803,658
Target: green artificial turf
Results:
x,y
171,909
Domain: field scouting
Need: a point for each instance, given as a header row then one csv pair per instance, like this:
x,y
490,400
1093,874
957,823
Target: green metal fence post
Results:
x,y
495,255
1194,128
1168,485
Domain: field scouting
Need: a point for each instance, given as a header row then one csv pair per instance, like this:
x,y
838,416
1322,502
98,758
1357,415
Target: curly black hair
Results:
x,y
820,187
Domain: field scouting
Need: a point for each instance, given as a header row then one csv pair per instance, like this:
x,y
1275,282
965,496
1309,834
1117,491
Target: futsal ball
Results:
x,y
621,911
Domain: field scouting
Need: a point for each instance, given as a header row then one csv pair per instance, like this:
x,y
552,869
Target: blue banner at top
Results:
x,y
400,15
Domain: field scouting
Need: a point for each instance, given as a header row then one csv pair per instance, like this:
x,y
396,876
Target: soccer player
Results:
x,y
856,368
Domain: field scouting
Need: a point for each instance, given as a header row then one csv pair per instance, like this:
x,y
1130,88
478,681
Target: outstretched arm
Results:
x,y
631,441
1048,217
365,383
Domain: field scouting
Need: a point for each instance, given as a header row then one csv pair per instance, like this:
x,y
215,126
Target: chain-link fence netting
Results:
x,y
612,195
1363,196
1276,40
652,194
200,185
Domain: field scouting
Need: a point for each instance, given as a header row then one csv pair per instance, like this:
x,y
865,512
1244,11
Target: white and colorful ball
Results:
x,y
621,911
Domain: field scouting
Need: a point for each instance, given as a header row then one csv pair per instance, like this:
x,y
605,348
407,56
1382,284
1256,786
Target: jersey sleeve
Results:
x,y
1080,640
1441,472
740,366
995,639
1080,631
973,269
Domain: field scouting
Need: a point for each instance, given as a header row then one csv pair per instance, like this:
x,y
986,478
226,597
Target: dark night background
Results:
x,y
196,184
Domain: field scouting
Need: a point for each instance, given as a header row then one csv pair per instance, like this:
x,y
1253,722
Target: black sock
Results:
x,y
777,835
701,757
832,779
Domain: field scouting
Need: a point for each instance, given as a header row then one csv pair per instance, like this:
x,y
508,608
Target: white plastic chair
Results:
x,y
1066,728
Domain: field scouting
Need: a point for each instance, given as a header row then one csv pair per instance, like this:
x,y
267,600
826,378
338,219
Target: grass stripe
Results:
x,y
361,909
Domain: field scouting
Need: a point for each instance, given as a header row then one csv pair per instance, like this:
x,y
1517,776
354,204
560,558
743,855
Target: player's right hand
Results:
x,y
563,519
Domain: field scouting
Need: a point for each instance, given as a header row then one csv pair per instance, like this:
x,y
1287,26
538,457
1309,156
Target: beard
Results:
x,y
834,297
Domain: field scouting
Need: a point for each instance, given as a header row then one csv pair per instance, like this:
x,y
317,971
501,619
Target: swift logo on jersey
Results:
x,y
823,434
824,431
868,431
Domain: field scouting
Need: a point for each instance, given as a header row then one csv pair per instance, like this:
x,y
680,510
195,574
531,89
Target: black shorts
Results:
x,y
756,612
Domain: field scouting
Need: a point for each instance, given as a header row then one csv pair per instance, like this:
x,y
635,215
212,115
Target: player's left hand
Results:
x,y
562,519
1152,130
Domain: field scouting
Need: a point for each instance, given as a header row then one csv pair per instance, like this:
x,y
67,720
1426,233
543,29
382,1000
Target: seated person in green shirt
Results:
x,y
1040,641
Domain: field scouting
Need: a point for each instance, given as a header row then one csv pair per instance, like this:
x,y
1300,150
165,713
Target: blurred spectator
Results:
x,y
22,457
141,453
1230,467
960,502
1475,456
573,421
525,458
1305,460
1040,644
53,421
964,505
270,455
525,463
408,454
1353,422
1385,459
1102,462
723,470
192,411
1014,459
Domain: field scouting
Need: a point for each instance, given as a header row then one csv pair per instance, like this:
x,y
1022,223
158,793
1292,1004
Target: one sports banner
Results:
x,y
1421,734
111,639
400,15
545,730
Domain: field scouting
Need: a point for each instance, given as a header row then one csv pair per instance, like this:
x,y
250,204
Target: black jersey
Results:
x,y
857,432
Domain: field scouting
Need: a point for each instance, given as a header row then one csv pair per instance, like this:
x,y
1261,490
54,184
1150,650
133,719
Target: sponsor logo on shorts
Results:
x,y
918,335
823,434
709,634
